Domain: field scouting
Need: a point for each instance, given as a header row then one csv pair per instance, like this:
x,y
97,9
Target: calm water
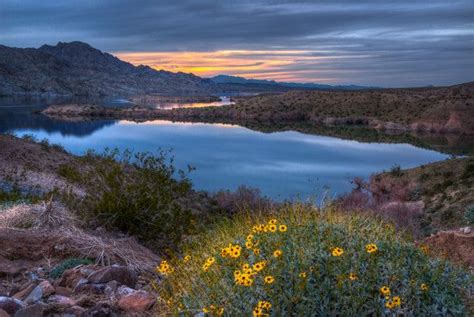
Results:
x,y
282,164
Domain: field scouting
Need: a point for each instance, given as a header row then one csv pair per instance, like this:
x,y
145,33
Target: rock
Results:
x,y
110,288
61,300
64,291
44,289
123,291
71,277
21,295
90,288
36,310
76,310
121,274
100,310
10,305
466,230
4,313
138,301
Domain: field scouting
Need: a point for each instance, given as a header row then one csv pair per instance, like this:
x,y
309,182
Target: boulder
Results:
x,y
10,305
61,300
100,310
44,289
121,274
21,295
36,310
138,301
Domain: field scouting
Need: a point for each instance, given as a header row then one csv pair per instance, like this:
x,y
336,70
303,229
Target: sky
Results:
x,y
383,43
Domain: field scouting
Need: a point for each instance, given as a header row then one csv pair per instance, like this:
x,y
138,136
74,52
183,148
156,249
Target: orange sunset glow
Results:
x,y
256,64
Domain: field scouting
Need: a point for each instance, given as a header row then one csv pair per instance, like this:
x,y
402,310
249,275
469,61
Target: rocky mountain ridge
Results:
x,y
77,68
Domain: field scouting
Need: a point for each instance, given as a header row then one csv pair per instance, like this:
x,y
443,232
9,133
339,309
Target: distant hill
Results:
x,y
77,68
226,79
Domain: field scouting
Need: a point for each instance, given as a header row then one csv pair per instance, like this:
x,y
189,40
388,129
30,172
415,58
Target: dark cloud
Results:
x,y
390,43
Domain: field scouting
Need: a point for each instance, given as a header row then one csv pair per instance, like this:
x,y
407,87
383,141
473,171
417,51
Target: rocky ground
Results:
x,y
43,271
53,265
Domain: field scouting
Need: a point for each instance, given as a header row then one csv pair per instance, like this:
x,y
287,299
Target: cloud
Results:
x,y
387,43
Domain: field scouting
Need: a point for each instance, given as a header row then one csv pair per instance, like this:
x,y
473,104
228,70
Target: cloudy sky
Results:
x,y
368,42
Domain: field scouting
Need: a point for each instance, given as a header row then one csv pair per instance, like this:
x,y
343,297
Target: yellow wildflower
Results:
x,y
337,251
385,290
272,228
256,251
277,253
424,287
205,310
352,276
164,268
187,258
370,248
272,222
257,312
250,237
264,304
396,301
249,244
303,274
269,279
283,228
259,266
211,260
389,304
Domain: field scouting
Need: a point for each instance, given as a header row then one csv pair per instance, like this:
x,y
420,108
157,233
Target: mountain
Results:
x,y
76,68
226,79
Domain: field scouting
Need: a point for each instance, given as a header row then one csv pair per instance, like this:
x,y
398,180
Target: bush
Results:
x,y
469,215
139,194
69,173
396,171
59,269
321,263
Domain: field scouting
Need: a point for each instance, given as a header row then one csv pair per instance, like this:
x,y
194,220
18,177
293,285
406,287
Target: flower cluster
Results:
x,y
232,251
164,268
262,309
271,226
337,251
371,248
208,263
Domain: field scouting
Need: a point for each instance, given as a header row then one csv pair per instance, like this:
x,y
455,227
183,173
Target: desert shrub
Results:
x,y
304,261
14,195
70,173
469,215
139,194
468,170
243,198
59,269
396,171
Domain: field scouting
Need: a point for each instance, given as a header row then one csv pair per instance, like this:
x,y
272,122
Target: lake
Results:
x,y
284,165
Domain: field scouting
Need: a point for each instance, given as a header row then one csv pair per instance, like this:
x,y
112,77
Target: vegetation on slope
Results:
x,y
446,189
305,261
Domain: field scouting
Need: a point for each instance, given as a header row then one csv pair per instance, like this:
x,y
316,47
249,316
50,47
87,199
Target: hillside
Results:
x,y
226,79
440,110
76,68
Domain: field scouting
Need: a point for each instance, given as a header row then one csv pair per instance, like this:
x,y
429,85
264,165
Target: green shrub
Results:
x,y
469,215
139,194
70,173
59,269
311,276
396,171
